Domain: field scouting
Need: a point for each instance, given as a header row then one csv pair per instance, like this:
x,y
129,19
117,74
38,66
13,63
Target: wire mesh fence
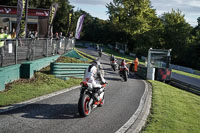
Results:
x,y
16,51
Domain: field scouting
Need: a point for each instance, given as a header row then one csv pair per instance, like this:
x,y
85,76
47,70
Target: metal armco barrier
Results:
x,y
64,70
185,86
17,51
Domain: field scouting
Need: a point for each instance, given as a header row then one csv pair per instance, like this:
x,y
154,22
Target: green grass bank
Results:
x,y
173,110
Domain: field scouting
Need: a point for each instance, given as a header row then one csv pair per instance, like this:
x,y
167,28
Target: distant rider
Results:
x,y
100,52
123,65
112,58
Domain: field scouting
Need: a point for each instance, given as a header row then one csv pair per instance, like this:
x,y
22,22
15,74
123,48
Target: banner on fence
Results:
x,y
22,10
79,26
52,14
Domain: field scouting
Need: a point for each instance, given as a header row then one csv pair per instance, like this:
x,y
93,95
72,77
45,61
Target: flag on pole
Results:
x,y
52,14
79,26
69,21
22,11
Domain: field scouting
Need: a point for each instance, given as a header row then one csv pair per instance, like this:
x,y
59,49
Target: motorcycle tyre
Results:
x,y
113,67
82,105
125,76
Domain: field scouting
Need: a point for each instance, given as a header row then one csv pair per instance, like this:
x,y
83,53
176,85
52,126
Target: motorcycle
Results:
x,y
100,53
123,72
114,65
90,98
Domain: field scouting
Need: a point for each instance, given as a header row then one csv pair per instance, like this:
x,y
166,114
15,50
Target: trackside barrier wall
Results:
x,y
27,69
142,72
185,86
9,74
65,70
24,70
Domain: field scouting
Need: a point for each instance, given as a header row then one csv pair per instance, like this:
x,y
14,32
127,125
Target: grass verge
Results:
x,y
186,74
64,59
85,55
41,84
173,110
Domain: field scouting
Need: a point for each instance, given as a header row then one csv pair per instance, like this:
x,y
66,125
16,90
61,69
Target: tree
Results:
x,y
177,35
137,20
9,2
60,23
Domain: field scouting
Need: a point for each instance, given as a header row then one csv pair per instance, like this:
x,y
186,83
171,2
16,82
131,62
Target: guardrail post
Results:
x,y
33,50
47,47
65,45
16,51
57,46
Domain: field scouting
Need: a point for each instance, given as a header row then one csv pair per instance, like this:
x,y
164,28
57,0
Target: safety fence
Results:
x,y
185,86
66,70
16,51
142,72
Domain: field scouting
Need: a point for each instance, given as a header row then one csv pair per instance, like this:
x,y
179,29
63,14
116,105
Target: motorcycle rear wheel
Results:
x,y
84,108
125,76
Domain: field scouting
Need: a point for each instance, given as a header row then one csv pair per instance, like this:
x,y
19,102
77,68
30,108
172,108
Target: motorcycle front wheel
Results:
x,y
84,108
102,102
113,67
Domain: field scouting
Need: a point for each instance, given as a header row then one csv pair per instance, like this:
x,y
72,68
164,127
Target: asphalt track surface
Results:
x,y
59,114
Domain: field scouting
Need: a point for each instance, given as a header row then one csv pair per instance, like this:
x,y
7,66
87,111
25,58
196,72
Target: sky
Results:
x,y
97,8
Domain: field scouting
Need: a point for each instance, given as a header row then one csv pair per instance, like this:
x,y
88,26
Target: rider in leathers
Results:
x,y
123,65
112,58
90,74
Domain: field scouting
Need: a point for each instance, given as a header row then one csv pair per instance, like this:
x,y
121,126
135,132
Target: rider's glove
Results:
x,y
103,85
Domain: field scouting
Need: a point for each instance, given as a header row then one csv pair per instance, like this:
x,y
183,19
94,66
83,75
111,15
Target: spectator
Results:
x,y
29,34
45,46
61,39
2,43
70,41
60,35
57,43
54,43
6,30
30,46
136,63
71,35
36,35
13,34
